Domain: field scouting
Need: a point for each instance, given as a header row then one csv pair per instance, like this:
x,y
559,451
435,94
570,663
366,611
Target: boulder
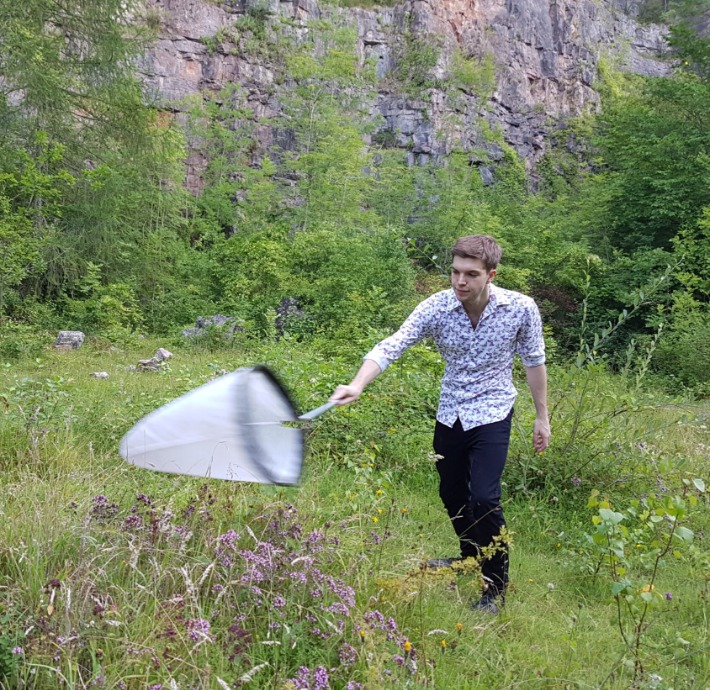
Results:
x,y
69,340
229,324
157,362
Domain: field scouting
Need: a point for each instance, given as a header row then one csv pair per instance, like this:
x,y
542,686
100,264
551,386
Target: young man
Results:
x,y
478,328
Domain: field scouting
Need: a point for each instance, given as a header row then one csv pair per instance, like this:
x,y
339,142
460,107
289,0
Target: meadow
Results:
x,y
113,576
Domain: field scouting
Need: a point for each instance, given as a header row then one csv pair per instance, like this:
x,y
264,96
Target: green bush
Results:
x,y
338,277
110,310
20,340
683,358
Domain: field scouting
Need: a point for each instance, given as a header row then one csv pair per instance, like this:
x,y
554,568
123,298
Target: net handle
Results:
x,y
317,412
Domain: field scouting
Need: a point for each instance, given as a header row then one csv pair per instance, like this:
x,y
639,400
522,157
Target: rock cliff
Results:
x,y
544,57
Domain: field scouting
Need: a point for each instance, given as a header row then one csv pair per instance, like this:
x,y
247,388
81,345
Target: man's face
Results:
x,y
469,279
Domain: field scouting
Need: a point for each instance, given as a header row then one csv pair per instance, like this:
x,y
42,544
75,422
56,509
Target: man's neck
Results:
x,y
475,309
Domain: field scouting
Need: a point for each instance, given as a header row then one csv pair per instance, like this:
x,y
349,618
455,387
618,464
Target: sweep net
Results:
x,y
229,429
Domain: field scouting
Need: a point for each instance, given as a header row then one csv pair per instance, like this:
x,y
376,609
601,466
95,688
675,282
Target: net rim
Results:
x,y
251,444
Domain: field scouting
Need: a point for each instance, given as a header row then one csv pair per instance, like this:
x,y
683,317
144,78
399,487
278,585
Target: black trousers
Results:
x,y
470,468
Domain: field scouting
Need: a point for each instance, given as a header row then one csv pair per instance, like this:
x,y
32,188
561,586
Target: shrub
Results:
x,y
683,357
19,340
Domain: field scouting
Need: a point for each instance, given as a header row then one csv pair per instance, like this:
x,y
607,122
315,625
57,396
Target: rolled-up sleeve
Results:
x,y
531,344
418,325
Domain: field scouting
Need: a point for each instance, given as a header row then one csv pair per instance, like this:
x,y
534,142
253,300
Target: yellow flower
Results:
x,y
379,511
379,492
443,645
362,634
375,519
404,511
407,647
459,628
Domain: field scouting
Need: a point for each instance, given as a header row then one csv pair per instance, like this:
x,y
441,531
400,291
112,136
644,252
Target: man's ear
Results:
x,y
491,274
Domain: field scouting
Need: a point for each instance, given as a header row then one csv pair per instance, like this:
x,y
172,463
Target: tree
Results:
x,y
68,69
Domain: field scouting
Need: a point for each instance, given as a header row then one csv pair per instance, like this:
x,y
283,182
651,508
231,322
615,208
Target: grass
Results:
x,y
112,576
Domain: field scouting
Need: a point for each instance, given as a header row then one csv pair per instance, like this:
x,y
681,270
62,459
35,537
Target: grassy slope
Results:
x,y
128,596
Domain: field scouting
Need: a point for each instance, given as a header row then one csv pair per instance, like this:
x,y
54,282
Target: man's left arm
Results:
x,y
537,380
531,347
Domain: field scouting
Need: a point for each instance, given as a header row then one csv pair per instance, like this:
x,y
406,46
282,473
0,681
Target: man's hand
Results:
x,y
537,380
541,435
344,395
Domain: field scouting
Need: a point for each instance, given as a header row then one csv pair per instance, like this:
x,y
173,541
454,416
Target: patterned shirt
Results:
x,y
477,386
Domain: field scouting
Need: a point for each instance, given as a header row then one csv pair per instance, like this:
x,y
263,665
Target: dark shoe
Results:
x,y
435,563
488,604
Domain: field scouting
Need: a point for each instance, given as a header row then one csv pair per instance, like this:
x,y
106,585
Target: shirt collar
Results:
x,y
498,297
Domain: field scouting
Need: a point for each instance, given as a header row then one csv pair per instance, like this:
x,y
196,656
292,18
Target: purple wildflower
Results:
x,y
132,523
18,650
575,481
226,547
229,538
337,608
353,685
199,629
669,596
103,509
302,681
315,537
347,654
375,619
320,678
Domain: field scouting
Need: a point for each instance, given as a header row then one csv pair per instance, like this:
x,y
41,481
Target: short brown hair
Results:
x,y
482,247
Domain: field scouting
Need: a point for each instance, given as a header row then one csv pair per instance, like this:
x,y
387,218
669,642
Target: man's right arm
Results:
x,y
418,325
368,372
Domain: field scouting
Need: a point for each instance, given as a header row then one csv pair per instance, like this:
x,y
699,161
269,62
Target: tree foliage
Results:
x,y
318,204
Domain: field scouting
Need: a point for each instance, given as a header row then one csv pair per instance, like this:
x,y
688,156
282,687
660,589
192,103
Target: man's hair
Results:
x,y
481,247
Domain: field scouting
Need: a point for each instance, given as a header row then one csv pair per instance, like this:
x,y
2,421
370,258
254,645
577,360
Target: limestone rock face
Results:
x,y
546,55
